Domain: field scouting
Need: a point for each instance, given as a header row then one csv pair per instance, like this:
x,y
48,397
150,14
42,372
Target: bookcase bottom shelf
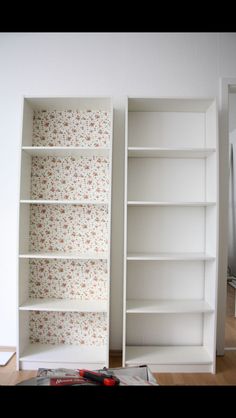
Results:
x,y
62,355
170,359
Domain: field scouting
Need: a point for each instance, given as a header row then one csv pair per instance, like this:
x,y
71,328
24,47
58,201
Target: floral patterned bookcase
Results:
x,y
64,266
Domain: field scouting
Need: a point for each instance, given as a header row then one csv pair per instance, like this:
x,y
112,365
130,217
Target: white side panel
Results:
x,y
25,184
211,230
24,228
209,331
125,235
157,229
164,179
24,275
24,331
211,270
166,129
209,336
109,235
27,124
210,282
211,125
211,180
164,329
165,280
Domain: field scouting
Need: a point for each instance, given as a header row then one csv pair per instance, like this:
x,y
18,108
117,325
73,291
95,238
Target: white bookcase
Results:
x,y
171,234
64,233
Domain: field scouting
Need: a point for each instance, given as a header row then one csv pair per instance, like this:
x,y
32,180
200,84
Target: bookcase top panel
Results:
x,y
169,104
67,103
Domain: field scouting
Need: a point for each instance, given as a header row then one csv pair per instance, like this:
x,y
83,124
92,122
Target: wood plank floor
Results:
x,y
225,375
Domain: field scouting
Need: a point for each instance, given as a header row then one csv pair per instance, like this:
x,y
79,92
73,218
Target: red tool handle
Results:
x,y
100,377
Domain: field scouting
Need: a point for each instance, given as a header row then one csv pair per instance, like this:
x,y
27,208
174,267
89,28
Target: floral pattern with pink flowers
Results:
x,y
70,279
71,178
71,128
69,228
68,328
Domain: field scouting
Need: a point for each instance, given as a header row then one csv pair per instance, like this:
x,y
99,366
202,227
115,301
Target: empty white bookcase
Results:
x,y
64,233
171,230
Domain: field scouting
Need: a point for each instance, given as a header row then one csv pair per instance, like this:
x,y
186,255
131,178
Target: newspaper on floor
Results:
x,y
128,376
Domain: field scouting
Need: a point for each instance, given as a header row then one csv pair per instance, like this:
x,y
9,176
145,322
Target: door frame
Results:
x,y
227,85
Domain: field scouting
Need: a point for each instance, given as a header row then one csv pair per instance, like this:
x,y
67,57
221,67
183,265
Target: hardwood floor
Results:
x,y
226,373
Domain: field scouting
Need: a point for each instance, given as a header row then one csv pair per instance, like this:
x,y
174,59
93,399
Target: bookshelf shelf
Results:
x,y
62,202
143,203
175,359
148,152
167,306
66,255
60,355
64,305
169,257
38,151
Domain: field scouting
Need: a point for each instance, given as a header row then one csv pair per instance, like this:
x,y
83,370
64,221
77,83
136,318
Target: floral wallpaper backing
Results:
x,y
70,178
71,128
69,228
68,328
70,279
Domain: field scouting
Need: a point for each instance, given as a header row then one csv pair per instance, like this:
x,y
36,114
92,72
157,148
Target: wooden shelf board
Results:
x,y
64,353
167,306
155,203
65,255
64,305
170,257
66,151
62,202
151,152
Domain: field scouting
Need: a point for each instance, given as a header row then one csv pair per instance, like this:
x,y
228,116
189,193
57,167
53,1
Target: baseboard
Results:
x,y
7,348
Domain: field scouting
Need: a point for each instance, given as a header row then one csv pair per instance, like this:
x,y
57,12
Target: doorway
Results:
x,y
230,323
226,323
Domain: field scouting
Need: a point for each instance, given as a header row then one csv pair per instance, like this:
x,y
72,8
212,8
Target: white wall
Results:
x,y
145,64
